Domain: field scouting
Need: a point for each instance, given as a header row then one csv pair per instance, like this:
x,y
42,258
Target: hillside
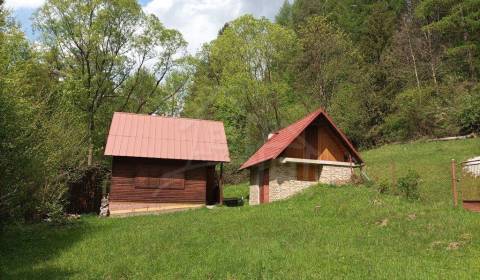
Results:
x,y
347,232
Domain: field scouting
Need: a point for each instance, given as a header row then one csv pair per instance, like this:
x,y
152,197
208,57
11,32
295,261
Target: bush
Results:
x,y
469,116
382,187
50,201
53,212
408,185
421,113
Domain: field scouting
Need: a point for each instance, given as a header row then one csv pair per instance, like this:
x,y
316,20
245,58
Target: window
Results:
x,y
158,176
306,172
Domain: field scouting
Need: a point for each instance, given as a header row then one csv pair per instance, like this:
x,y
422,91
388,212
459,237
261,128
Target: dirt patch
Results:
x,y
382,223
454,245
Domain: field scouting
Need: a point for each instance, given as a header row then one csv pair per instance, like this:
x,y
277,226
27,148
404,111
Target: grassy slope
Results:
x,y
324,232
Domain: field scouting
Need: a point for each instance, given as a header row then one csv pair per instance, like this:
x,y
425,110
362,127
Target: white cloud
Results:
x,y
197,20
159,6
25,4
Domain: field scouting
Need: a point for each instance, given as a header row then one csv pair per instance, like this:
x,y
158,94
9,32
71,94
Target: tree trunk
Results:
x,y
428,37
91,127
412,54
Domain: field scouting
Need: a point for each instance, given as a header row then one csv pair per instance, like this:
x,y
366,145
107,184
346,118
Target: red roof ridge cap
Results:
x,y
165,117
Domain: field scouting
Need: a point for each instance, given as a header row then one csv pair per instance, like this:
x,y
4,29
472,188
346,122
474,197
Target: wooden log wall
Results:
x,y
125,184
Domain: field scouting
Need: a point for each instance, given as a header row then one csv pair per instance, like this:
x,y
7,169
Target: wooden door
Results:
x,y
264,186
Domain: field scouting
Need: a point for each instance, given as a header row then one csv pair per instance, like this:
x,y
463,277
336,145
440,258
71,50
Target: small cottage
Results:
x,y
310,151
164,163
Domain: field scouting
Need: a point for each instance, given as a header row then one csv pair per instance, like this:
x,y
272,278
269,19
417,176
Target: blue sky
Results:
x,y
198,20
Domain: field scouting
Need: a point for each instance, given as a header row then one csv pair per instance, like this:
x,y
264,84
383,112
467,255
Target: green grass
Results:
x,y
431,160
240,190
326,232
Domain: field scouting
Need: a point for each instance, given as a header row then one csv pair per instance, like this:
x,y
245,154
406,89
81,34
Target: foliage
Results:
x,y
242,79
328,62
99,45
57,97
420,113
284,16
457,21
469,116
408,185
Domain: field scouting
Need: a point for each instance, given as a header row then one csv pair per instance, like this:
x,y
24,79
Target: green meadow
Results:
x,y
351,232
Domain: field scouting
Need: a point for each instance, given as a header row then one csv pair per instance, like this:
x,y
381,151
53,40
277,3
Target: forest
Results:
x,y
386,71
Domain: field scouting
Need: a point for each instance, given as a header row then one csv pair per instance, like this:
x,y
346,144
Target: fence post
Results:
x,y
454,184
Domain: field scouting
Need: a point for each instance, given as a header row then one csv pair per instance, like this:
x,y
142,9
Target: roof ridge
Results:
x,y
301,119
165,117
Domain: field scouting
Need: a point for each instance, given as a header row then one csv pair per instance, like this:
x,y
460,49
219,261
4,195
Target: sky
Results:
x,y
198,20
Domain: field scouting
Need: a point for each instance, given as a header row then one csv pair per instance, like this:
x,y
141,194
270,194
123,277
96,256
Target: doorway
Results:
x,y
212,191
264,186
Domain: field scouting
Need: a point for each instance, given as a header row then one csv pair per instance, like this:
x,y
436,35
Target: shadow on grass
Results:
x,y
29,251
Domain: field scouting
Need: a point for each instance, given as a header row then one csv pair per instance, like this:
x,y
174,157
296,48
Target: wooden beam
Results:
x,y
220,184
319,162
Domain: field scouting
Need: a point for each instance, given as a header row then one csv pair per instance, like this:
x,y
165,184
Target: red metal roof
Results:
x,y
135,135
281,139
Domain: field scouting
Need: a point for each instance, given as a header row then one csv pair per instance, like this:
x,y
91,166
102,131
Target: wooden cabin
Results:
x,y
164,163
310,151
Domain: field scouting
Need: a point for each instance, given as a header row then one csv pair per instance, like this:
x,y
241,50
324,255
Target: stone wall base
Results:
x,y
283,180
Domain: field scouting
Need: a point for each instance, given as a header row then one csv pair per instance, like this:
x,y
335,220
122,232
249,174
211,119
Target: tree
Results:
x,y
26,103
284,16
327,64
243,79
102,44
377,31
457,22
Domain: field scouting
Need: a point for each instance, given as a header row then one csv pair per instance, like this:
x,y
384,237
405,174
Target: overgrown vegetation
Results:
x,y
325,232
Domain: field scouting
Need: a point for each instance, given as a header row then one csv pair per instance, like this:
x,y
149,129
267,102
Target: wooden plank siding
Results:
x,y
329,145
317,141
126,185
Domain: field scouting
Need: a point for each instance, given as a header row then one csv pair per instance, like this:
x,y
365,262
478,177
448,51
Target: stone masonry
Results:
x,y
254,197
283,180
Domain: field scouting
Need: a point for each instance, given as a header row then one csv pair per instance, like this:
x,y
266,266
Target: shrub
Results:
x,y
383,187
50,201
408,185
469,116
421,113
53,212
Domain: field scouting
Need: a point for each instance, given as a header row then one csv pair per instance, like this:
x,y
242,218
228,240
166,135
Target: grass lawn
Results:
x,y
326,232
